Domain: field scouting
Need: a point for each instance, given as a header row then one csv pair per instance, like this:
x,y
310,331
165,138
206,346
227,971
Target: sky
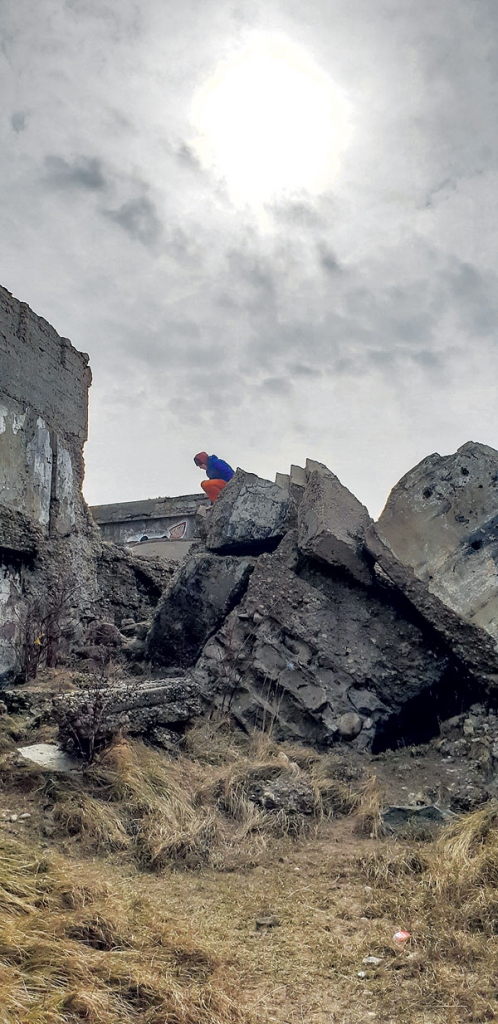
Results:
x,y
272,225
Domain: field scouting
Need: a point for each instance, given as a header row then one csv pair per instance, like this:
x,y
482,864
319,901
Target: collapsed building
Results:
x,y
292,610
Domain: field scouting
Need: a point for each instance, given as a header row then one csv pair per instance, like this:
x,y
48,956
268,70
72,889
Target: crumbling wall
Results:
x,y
44,385
46,534
56,575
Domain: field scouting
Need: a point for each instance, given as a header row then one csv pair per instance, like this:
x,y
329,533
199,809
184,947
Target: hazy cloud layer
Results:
x,y
357,326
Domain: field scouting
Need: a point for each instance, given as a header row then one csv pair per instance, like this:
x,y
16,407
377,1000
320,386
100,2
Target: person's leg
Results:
x,y
213,488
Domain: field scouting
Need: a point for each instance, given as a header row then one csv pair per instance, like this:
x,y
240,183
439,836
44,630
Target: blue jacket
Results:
x,y
216,469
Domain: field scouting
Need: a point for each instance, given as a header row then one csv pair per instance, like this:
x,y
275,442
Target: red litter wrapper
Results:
x,y
401,936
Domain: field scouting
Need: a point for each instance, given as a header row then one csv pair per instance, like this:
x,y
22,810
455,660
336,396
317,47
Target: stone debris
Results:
x,y
292,612
201,594
332,524
397,818
88,719
437,539
310,658
269,921
287,793
251,515
50,756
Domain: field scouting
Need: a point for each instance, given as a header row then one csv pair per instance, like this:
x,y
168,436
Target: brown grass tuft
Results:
x,y
115,961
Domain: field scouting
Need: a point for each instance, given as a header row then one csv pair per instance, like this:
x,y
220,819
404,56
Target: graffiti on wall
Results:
x,y
176,532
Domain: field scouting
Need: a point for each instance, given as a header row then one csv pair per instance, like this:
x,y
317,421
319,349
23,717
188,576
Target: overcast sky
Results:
x,y
272,225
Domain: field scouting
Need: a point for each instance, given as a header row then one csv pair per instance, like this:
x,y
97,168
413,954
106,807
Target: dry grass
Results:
x,y
445,895
104,927
197,809
73,947
11,731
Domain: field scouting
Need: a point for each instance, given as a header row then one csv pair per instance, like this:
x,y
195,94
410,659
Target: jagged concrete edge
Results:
x,y
460,635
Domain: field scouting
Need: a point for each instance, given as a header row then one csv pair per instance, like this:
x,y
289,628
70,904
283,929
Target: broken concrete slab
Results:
x,y
50,756
288,792
400,818
315,660
251,515
332,524
204,590
87,719
437,539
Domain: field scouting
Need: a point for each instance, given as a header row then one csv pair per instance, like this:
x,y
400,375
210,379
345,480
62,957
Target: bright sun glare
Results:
x,y
270,121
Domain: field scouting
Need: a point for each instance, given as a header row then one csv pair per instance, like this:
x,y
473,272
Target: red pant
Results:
x,y
213,488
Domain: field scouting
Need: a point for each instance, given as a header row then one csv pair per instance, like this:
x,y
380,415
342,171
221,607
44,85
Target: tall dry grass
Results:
x,y
195,809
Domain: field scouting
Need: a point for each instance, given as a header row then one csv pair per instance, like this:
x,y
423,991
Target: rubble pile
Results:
x,y
294,611
304,617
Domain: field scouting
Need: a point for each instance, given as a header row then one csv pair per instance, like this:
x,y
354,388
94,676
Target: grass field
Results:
x,y
151,889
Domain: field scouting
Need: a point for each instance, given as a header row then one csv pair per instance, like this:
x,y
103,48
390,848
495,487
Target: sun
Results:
x,y
269,121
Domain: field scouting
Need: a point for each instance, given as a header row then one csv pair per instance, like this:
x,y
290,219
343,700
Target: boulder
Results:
x,y
103,634
319,659
250,516
437,539
87,719
288,792
413,819
204,590
19,535
350,725
332,524
129,587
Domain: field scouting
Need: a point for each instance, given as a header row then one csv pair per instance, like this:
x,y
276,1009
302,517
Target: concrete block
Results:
x,y
332,524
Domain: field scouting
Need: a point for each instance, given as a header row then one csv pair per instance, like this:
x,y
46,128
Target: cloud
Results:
x,y
303,370
83,173
276,386
328,260
187,158
139,218
297,212
18,121
360,306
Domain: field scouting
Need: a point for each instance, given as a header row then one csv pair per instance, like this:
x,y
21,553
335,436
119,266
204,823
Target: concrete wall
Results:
x,y
44,385
160,526
45,534
168,550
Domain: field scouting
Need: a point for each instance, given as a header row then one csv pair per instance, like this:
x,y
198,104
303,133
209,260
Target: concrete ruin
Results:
x,y
44,385
332,638
293,610
166,527
56,574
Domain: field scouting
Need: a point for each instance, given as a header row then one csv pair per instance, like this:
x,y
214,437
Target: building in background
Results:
x,y
156,526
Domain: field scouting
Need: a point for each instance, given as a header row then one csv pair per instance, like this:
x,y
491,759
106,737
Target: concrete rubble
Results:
x,y
328,643
292,612
202,593
50,756
254,515
89,718
437,540
333,524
